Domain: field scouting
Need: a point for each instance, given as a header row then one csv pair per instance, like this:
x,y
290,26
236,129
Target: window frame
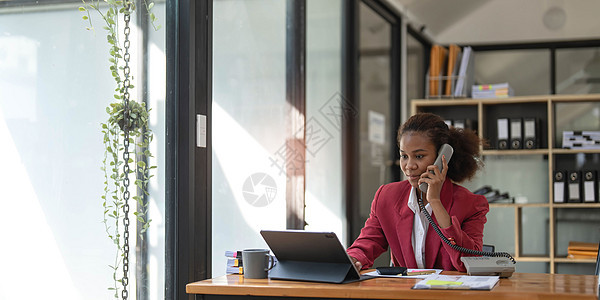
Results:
x,y
188,168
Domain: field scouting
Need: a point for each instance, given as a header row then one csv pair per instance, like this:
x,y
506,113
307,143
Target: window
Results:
x,y
54,87
249,123
324,202
252,153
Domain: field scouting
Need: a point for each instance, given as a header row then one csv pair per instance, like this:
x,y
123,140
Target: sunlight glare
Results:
x,y
29,251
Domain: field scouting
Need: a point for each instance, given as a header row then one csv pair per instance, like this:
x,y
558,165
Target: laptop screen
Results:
x,y
307,246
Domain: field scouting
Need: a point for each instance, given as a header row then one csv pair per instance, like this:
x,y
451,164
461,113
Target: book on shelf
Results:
x,y
234,270
582,250
437,60
450,71
454,53
235,264
497,90
234,254
576,256
583,246
465,73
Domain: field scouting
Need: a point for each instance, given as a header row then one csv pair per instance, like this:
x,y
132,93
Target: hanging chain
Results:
x,y
126,170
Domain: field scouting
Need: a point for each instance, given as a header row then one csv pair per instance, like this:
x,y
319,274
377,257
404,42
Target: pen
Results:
x,y
420,273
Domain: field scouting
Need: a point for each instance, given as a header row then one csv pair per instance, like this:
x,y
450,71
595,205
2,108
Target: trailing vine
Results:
x,y
127,124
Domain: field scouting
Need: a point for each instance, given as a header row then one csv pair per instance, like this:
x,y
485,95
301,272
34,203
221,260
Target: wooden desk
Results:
x,y
519,286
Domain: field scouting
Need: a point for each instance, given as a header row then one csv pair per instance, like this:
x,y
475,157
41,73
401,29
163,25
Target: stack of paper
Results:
x,y
581,139
234,262
582,250
461,282
498,90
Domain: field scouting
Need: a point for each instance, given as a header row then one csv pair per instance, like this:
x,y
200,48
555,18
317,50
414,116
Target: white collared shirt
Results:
x,y
420,227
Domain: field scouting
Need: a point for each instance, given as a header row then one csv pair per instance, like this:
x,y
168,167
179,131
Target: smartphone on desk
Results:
x,y
391,271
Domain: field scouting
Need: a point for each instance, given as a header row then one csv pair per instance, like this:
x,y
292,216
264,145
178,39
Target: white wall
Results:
x,y
502,21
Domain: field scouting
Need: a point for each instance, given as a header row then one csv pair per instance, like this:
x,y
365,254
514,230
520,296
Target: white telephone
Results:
x,y
488,266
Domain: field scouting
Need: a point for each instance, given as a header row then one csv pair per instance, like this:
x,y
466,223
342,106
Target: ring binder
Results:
x,y
574,186
559,180
530,133
503,133
590,186
516,140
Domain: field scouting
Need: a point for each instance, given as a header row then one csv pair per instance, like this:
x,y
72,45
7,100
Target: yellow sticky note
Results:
x,y
441,282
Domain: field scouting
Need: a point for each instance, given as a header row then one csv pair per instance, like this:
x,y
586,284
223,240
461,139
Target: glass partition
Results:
x,y
250,119
526,71
324,204
578,71
249,125
415,65
575,116
375,112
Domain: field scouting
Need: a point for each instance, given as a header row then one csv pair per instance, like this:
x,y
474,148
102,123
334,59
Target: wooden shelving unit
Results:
x,y
484,110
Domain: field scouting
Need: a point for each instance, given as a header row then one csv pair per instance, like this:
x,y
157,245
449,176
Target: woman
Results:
x,y
396,219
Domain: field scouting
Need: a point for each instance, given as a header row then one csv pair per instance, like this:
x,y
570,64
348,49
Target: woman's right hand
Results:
x,y
356,262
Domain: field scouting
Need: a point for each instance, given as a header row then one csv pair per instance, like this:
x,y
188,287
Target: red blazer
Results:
x,y
390,223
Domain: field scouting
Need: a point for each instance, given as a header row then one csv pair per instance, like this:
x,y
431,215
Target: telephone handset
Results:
x,y
447,151
475,265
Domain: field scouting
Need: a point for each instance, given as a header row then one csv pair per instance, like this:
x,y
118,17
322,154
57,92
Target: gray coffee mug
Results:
x,y
257,263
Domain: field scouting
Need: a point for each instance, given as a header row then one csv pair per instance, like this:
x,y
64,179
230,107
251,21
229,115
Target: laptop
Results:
x,y
310,256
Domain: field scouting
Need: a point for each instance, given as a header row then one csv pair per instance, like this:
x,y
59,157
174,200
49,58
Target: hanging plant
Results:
x,y
127,125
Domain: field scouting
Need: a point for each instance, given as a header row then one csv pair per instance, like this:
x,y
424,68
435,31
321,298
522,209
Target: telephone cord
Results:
x,y
456,247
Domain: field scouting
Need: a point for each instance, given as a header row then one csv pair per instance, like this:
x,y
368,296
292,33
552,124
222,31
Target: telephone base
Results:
x,y
488,266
